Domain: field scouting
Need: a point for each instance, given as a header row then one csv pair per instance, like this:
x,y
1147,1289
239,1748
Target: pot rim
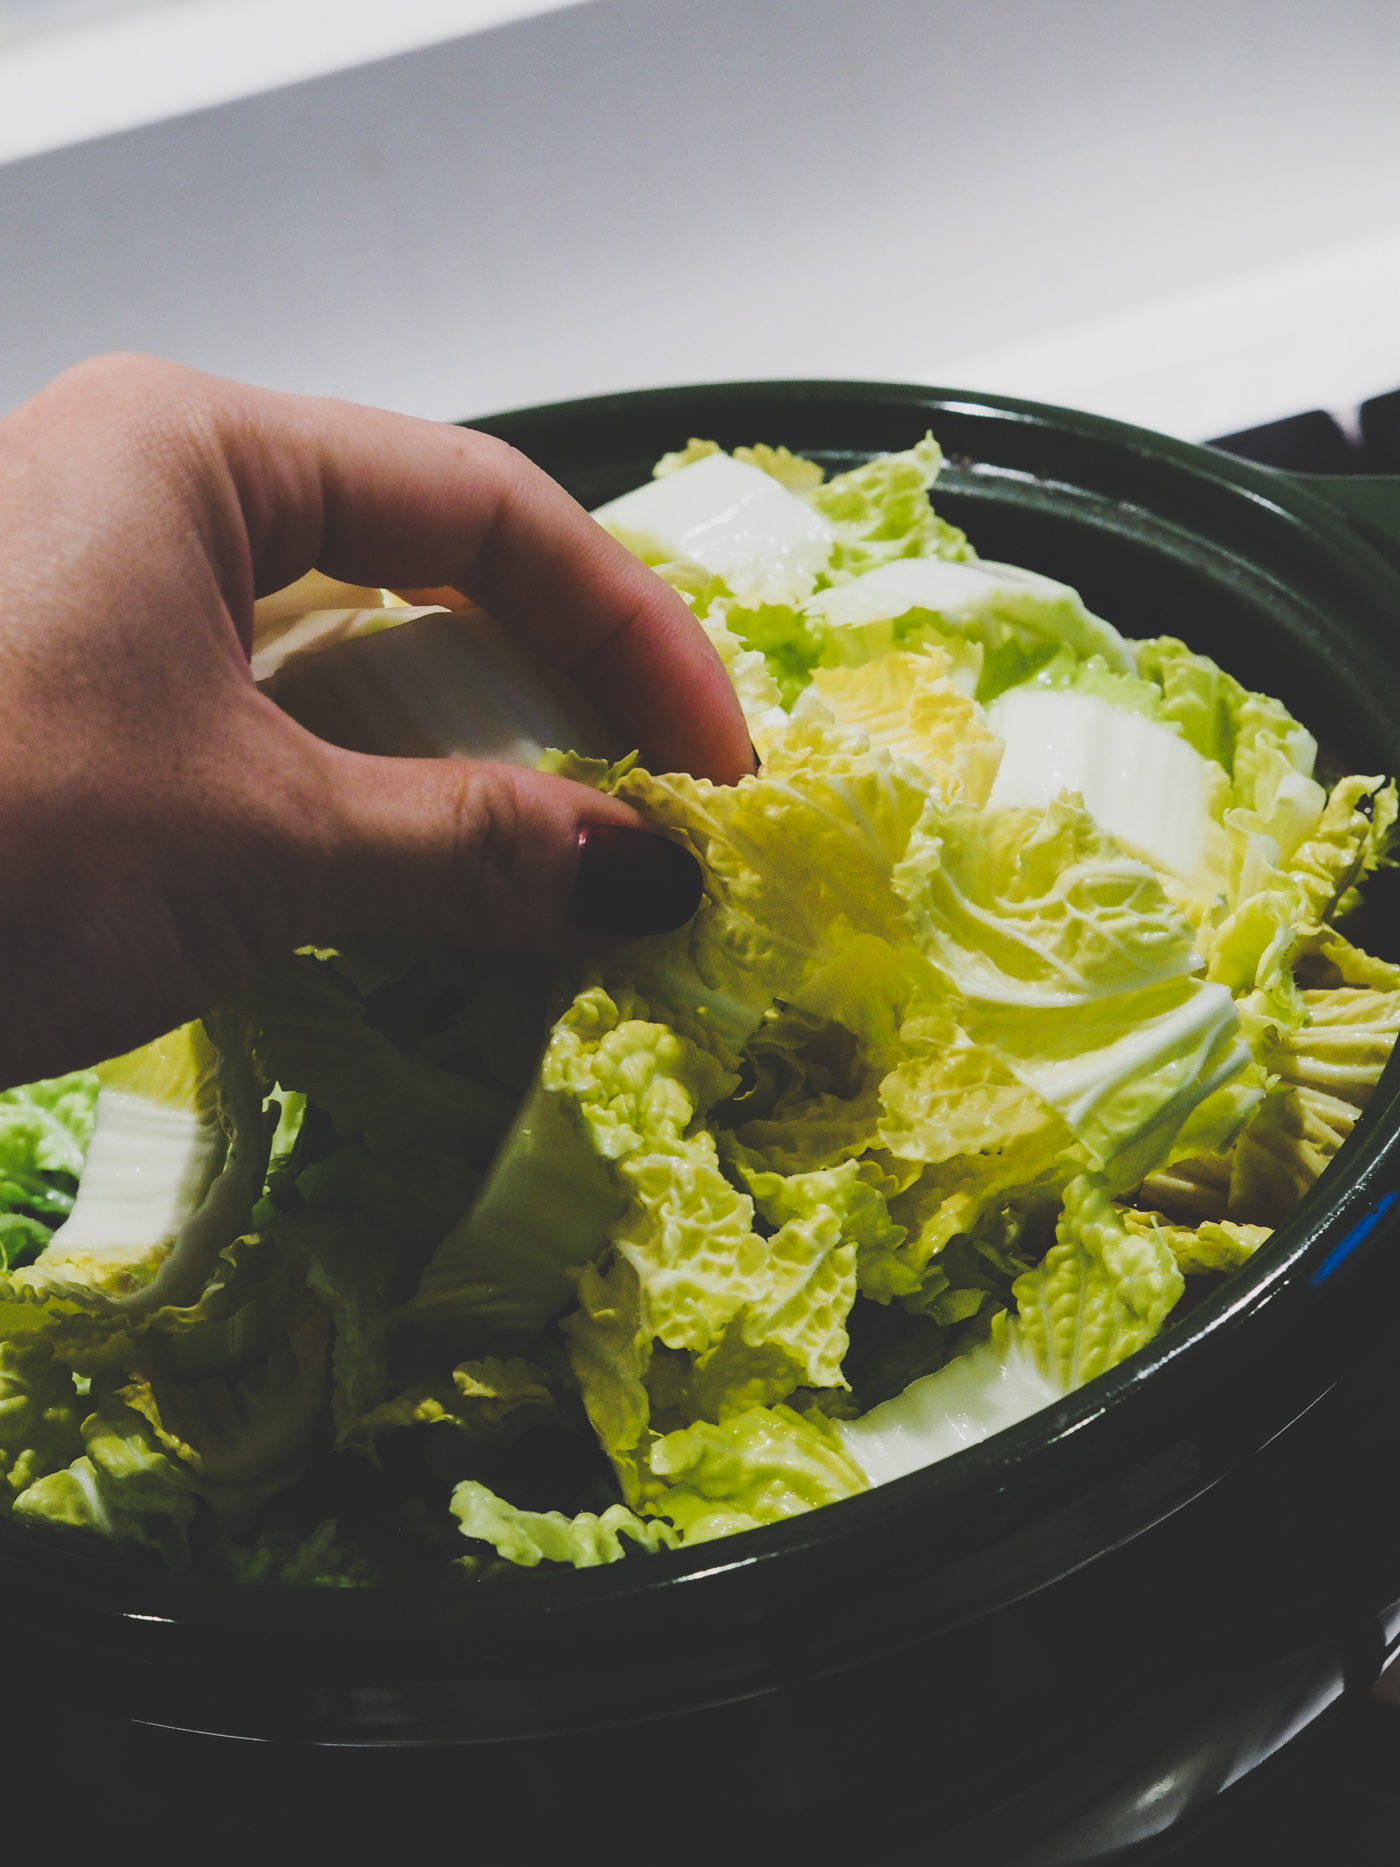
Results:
x,y
1324,1258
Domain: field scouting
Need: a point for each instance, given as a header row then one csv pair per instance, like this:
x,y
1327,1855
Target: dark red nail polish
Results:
x,y
633,882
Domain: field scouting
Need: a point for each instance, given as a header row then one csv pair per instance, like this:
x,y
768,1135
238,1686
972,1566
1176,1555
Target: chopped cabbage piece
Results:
x,y
1016,997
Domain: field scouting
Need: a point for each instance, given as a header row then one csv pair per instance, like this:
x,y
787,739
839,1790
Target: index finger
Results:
x,y
376,498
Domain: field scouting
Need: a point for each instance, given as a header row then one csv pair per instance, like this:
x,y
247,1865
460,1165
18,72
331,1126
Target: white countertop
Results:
x,y
1186,216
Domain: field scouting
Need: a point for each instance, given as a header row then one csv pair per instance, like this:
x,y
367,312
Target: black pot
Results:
x,y
1053,1646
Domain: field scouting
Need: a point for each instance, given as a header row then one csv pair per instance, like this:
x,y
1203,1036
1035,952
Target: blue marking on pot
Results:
x,y
1346,1245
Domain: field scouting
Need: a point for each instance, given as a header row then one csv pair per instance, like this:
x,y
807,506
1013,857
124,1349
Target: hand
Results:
x,y
163,825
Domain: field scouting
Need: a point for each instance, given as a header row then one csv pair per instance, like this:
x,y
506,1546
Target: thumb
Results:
x,y
491,855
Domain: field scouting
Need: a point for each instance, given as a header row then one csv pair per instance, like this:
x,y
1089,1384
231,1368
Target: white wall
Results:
x,y
631,192
71,70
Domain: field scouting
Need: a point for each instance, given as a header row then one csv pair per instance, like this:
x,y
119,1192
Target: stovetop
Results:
x,y
1364,440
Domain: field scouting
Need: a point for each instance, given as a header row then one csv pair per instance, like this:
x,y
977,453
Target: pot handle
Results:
x,y
1369,501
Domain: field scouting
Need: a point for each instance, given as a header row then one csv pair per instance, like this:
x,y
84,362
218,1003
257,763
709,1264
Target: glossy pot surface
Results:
x,y
1016,1574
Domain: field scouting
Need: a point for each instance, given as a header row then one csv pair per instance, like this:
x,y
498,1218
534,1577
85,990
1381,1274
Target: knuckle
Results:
x,y
481,874
123,376
156,412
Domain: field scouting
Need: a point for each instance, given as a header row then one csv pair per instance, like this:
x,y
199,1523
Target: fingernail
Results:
x,y
757,761
633,882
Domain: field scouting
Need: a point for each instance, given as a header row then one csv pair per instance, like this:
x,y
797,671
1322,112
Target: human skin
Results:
x,y
163,826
